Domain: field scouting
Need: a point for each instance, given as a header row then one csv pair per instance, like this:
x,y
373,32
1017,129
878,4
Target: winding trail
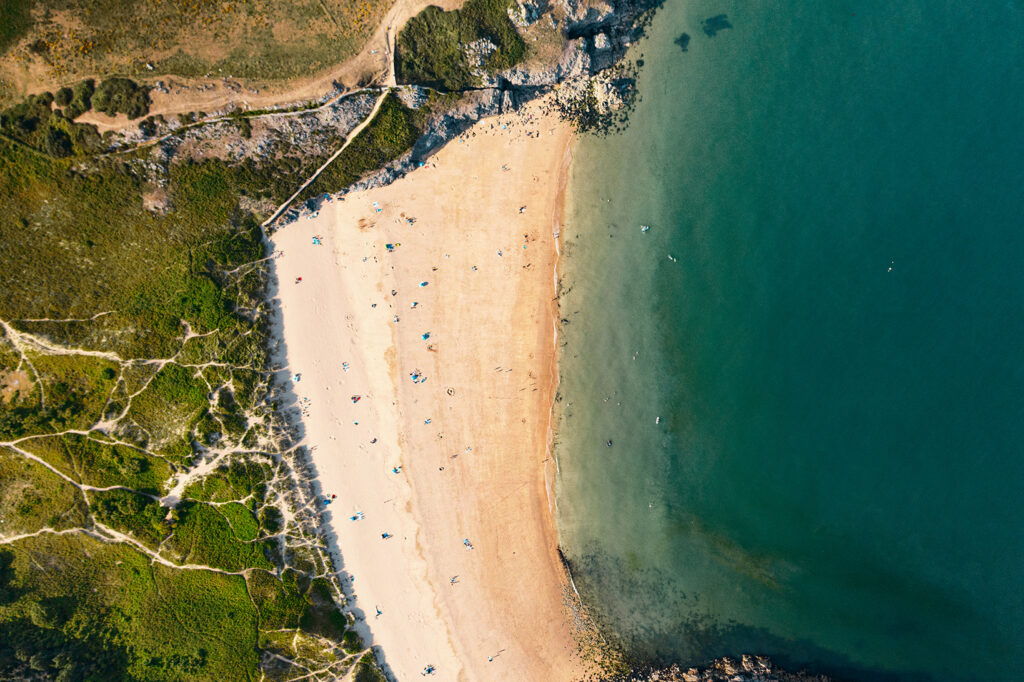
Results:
x,y
348,140
373,65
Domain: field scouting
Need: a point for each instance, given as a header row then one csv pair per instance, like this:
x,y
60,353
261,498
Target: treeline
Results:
x,y
47,121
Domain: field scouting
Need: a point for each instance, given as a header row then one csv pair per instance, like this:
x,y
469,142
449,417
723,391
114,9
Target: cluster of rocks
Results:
x,y
315,132
592,85
747,669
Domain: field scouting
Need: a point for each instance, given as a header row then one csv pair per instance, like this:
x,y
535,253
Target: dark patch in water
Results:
x,y
683,41
717,23
690,636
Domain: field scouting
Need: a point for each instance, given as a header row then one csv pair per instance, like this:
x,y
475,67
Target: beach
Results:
x,y
421,342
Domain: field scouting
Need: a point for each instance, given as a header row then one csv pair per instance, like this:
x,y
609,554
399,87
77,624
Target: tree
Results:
x,y
63,96
57,143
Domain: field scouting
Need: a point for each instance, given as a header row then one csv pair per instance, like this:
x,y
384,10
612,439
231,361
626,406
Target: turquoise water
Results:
x,y
837,475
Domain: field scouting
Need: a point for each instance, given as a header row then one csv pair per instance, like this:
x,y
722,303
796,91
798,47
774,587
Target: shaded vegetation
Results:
x,y
15,20
430,47
137,515
392,133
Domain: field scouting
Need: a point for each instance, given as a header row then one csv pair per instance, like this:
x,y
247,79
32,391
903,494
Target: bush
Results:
x,y
81,99
121,96
63,96
57,143
430,46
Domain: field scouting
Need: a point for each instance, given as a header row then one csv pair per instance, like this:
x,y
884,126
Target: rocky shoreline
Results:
x,y
746,669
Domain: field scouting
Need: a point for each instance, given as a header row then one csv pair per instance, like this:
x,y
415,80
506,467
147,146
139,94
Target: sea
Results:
x,y
791,412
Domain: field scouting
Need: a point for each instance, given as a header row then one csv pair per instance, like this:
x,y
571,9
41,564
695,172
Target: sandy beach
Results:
x,y
422,338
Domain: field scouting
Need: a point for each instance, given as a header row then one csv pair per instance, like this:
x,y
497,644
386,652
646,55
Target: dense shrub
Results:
x,y
430,48
63,96
121,96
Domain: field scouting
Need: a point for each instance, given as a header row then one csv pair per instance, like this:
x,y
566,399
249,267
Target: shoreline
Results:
x,y
446,454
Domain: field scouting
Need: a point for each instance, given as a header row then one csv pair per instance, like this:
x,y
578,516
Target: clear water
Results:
x,y
837,475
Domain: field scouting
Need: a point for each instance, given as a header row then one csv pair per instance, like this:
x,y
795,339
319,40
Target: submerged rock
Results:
x,y
717,23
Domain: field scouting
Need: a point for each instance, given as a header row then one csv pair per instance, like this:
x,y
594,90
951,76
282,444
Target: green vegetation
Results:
x,y
392,132
15,20
137,515
145,332
92,461
76,608
255,39
367,671
431,46
281,601
169,406
75,387
34,497
204,536
229,482
243,523
35,123
121,96
152,270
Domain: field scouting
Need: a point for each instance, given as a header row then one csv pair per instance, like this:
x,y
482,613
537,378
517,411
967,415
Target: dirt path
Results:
x,y
373,65
351,136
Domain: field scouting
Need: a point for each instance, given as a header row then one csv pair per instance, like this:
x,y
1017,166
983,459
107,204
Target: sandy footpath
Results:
x,y
457,393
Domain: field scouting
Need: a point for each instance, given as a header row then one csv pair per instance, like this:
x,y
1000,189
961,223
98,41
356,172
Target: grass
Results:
x,y
430,49
204,536
255,39
101,464
34,497
103,612
229,482
167,408
392,133
76,387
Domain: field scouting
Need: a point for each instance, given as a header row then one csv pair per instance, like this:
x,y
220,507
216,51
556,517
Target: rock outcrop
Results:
x,y
747,669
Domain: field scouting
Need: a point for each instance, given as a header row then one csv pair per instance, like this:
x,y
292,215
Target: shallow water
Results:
x,y
835,353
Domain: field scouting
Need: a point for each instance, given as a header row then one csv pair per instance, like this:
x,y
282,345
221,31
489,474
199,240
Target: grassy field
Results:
x,y
76,608
430,48
59,41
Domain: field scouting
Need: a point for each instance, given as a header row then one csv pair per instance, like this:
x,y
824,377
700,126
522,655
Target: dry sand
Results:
x,y
479,469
